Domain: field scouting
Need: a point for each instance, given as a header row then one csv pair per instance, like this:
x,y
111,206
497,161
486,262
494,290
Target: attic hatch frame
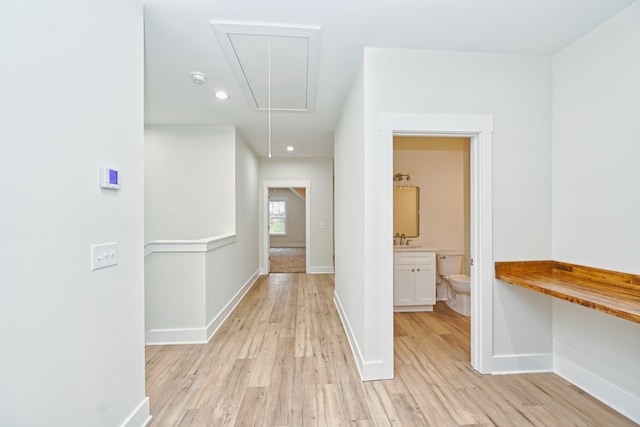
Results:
x,y
226,30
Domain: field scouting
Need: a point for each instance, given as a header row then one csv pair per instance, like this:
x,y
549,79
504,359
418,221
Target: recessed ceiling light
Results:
x,y
289,148
222,94
198,77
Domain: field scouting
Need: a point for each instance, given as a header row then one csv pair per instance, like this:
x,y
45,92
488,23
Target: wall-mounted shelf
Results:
x,y
607,291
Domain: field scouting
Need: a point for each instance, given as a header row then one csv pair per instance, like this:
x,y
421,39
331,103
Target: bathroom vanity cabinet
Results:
x,y
414,280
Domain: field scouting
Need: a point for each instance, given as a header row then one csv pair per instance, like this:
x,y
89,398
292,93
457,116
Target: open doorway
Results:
x,y
287,237
478,129
285,226
438,167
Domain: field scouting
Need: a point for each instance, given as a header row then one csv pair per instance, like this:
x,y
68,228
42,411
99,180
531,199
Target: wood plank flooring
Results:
x,y
282,359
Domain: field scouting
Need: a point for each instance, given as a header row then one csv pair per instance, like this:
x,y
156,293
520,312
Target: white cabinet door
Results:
x,y
425,284
404,288
414,281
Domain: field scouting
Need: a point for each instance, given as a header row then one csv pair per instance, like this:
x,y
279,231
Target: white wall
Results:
x,y
350,286
247,209
516,91
183,171
202,183
319,172
72,100
296,226
232,268
596,146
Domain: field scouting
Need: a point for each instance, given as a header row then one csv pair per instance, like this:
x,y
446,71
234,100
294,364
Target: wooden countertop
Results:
x,y
611,292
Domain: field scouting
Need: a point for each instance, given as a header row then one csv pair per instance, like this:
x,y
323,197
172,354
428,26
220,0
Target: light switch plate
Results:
x,y
104,255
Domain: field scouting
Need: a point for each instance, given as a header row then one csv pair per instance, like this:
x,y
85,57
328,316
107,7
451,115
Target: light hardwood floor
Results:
x,y
282,359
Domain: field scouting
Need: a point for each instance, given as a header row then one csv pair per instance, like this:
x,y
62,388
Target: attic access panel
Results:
x,y
293,54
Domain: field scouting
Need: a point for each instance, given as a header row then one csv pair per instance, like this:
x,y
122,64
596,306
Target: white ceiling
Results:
x,y
180,38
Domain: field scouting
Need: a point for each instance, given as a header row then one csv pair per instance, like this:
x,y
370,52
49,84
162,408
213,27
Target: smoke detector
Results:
x,y
198,77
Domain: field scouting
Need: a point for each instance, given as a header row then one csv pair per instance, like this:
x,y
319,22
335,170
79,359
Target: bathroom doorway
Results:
x,y
478,129
439,167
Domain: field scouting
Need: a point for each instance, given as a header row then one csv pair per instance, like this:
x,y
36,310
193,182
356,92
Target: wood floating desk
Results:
x,y
611,292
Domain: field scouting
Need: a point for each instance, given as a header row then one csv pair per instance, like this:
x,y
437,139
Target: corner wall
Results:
x,y
201,253
516,91
350,287
72,101
596,146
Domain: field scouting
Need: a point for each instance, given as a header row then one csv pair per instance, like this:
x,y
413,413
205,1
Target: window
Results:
x,y
278,217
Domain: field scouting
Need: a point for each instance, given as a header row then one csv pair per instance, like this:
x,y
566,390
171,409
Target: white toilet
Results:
x,y
458,285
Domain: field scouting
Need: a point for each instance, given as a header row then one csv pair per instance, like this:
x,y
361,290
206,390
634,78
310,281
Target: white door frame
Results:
x,y
479,129
264,223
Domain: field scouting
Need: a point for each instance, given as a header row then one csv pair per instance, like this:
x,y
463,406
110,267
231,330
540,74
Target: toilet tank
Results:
x,y
449,263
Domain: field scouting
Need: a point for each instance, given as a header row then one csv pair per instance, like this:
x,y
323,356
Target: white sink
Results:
x,y
406,246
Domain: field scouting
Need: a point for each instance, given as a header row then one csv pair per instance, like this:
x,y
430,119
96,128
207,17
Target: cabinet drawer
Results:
x,y
415,258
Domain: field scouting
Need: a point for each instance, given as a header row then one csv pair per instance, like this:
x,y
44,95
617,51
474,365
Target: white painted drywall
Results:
x,y
231,267
596,147
350,286
72,100
248,195
516,91
296,226
189,182
319,172
189,293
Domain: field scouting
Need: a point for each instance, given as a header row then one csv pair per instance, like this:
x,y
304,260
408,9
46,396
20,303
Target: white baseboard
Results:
x,y
522,363
350,337
610,394
219,319
199,335
321,270
140,417
368,370
176,336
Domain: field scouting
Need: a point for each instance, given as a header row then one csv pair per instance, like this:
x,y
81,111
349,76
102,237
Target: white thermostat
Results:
x,y
109,178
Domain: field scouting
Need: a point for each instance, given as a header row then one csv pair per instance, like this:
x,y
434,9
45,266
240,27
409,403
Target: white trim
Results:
x,y
176,336
218,320
206,244
140,417
353,343
368,370
479,128
608,393
320,269
200,335
523,363
224,30
264,220
298,195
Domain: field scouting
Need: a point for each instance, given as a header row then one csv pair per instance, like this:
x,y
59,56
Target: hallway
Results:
x,y
282,359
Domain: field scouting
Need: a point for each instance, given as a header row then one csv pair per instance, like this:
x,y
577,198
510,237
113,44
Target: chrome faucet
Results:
x,y
402,237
